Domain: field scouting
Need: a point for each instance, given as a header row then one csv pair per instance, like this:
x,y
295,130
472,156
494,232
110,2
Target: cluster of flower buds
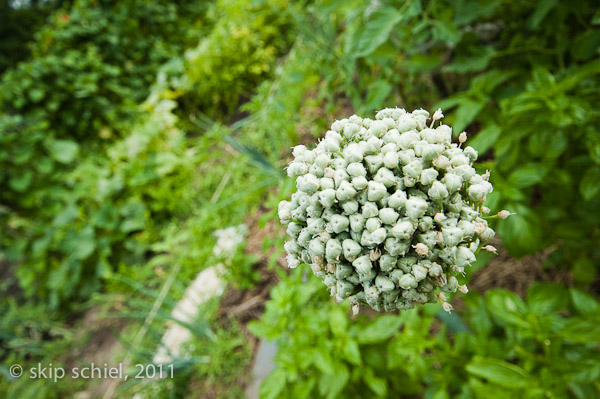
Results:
x,y
388,212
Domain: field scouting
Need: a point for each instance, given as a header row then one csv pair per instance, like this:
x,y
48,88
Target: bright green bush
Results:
x,y
239,52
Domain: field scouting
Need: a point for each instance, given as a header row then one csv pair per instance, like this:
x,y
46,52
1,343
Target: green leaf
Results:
x,y
584,303
64,151
21,181
322,361
544,298
377,31
485,138
528,175
379,330
499,372
584,270
377,384
377,93
507,307
466,112
352,352
273,385
476,61
337,381
338,321
445,31
590,184
521,233
580,331
541,10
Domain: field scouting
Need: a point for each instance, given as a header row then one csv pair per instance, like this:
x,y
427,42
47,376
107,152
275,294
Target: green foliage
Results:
x,y
324,354
546,345
526,90
238,53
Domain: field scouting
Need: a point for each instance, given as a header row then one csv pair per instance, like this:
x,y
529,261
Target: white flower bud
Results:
x,y
296,169
327,197
378,236
439,217
376,191
384,284
356,169
437,115
428,176
363,265
339,223
463,289
491,249
357,222
438,191
378,128
292,261
419,272
390,160
351,249
373,163
333,250
462,137
443,134
345,191
504,214
416,207
388,215
407,281
350,207
447,307
353,153
452,182
421,249
385,177
441,162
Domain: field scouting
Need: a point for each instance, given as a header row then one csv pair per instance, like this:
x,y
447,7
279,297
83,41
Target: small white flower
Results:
x,y
447,307
421,249
439,217
463,289
490,248
504,214
462,137
485,209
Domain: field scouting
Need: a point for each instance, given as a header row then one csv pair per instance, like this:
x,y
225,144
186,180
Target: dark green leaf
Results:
x,y
528,174
590,184
485,138
499,372
376,31
466,112
584,303
507,307
544,298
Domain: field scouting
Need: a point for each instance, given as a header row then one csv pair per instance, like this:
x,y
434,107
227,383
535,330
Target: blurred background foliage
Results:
x,y
131,130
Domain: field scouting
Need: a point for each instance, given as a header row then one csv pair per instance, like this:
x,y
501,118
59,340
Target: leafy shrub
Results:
x,y
529,88
108,211
238,53
505,348
90,68
322,353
